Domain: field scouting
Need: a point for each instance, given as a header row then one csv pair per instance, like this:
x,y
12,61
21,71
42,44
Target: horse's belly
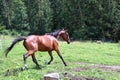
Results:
x,y
45,49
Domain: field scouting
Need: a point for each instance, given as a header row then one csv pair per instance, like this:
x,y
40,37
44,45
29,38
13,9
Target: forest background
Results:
x,y
84,19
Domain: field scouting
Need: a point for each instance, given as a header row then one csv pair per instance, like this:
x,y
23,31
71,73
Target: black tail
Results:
x,y
13,43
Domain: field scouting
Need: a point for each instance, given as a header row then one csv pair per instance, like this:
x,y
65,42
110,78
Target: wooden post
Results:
x,y
51,76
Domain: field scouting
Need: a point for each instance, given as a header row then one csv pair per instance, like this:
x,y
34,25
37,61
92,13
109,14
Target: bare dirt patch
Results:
x,y
80,77
101,67
89,66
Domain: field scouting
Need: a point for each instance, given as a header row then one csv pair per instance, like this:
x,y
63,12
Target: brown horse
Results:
x,y
35,43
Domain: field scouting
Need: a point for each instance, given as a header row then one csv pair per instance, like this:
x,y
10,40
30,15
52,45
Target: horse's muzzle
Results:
x,y
68,42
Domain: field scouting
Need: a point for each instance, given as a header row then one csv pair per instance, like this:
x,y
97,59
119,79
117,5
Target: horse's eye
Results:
x,y
67,33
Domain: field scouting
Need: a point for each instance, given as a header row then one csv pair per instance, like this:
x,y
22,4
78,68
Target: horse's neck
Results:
x,y
59,35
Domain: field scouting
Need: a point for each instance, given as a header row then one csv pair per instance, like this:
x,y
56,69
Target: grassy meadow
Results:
x,y
78,56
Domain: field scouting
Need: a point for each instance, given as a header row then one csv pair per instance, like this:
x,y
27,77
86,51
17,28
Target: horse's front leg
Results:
x,y
51,57
58,52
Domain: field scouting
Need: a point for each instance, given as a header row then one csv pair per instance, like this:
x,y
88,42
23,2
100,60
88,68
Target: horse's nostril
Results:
x,y
68,42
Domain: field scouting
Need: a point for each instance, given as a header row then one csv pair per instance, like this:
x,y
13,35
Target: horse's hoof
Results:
x,y
24,68
66,64
47,63
39,67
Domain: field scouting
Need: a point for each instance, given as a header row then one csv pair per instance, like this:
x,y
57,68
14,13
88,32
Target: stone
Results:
x,y
51,76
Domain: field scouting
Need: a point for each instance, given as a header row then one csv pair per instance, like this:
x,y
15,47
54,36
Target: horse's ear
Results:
x,y
66,30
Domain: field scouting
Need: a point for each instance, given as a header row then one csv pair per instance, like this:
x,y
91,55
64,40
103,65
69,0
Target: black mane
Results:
x,y
55,34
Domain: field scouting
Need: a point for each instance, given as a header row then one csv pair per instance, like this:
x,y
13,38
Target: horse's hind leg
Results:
x,y
25,57
51,57
35,60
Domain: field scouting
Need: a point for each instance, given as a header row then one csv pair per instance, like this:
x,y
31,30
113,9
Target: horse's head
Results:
x,y
64,34
60,33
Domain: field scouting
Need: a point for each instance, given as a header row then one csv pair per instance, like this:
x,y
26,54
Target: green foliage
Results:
x,y
20,18
3,30
38,15
85,19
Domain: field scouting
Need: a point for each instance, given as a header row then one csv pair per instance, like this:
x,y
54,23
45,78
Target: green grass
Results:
x,y
85,52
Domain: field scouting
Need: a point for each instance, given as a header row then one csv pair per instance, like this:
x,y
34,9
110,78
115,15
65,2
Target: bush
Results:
x,y
3,30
